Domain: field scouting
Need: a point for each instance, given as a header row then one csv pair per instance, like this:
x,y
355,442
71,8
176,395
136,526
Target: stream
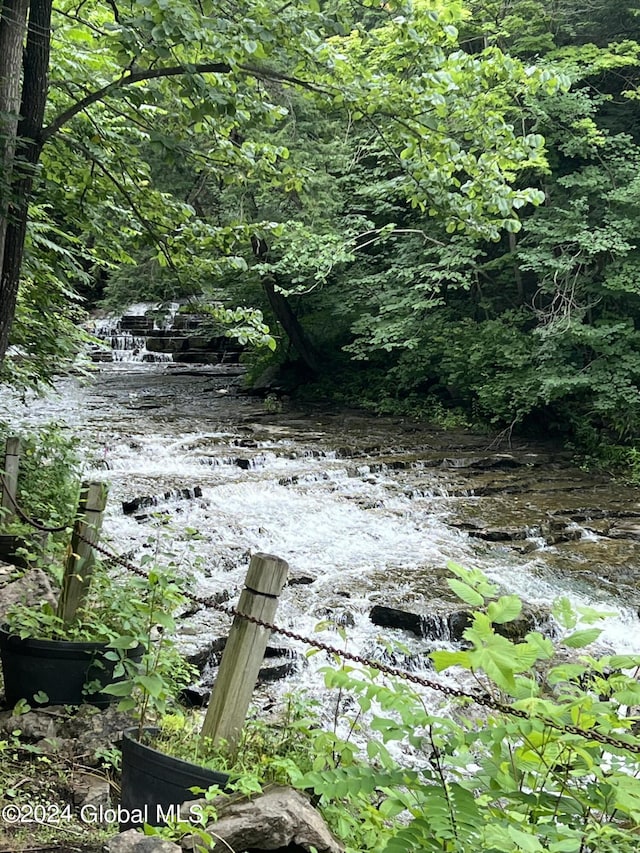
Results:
x,y
367,511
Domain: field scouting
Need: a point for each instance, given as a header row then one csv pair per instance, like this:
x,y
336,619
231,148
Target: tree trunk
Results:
x,y
29,131
291,325
13,25
284,313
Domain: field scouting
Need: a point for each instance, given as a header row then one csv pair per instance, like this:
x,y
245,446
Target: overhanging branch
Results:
x,y
128,79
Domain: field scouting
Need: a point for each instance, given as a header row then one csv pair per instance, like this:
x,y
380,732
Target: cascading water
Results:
x,y
366,511
118,334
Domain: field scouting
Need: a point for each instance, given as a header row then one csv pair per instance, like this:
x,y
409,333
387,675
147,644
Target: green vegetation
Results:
x,y
538,762
49,475
433,205
538,755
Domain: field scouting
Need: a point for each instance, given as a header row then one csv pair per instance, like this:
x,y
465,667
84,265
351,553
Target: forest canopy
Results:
x,y
433,204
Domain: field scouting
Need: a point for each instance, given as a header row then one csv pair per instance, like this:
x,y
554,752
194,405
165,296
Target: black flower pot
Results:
x,y
154,785
58,668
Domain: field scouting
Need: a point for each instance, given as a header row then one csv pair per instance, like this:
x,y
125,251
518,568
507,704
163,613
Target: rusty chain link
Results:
x,y
447,690
422,681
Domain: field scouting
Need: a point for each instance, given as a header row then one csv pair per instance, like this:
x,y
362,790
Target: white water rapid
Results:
x,y
366,511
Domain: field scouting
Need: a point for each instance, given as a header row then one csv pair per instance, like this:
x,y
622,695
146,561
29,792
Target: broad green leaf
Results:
x,y
465,592
525,842
581,638
445,659
505,609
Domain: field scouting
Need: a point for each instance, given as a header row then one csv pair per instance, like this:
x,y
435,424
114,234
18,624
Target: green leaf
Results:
x,y
527,843
465,592
581,638
152,684
505,609
122,688
444,659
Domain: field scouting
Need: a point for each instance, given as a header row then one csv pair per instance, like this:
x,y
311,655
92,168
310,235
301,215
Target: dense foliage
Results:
x,y
492,781
540,755
433,203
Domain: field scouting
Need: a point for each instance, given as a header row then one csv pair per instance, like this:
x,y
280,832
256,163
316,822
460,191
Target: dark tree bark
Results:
x,y
29,134
13,25
293,329
285,315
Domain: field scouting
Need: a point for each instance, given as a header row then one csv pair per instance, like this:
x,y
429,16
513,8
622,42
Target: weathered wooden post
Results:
x,y
244,651
10,479
81,558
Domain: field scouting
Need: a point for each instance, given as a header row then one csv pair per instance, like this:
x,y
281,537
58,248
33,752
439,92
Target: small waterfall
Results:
x,y
169,333
126,337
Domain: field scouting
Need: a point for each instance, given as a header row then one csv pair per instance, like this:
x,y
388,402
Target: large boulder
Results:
x,y
279,819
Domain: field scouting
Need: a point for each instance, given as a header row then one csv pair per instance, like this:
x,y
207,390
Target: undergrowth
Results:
x,y
469,777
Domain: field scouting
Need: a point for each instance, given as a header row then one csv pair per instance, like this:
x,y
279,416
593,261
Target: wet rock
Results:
x,y
456,623
100,355
500,534
129,507
300,578
278,819
601,527
244,442
213,650
498,460
336,613
168,344
525,547
452,625
132,841
135,323
279,662
625,530
391,617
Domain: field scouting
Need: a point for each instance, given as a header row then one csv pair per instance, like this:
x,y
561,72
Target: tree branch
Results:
x,y
270,74
128,79
142,219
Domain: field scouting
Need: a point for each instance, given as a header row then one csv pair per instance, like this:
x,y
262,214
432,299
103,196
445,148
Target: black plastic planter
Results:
x,y
58,668
154,785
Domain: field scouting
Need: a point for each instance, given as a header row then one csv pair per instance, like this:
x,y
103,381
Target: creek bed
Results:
x,y
367,511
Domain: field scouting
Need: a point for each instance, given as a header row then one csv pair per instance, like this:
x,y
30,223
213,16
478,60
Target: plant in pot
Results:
x,y
66,654
155,783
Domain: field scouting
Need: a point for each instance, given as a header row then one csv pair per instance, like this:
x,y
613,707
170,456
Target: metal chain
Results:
x,y
27,519
447,690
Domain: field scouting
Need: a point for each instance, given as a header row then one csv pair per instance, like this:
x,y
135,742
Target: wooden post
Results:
x,y
10,479
244,651
80,560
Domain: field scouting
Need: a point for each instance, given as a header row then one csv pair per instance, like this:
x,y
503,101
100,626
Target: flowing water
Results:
x,y
366,511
